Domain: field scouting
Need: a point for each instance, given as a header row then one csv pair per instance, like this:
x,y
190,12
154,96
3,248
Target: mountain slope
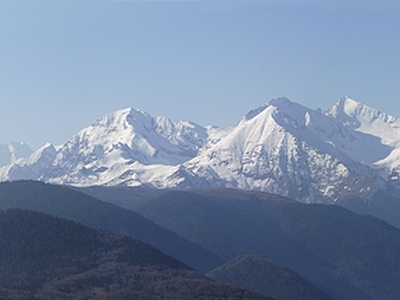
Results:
x,y
48,258
72,205
348,256
255,272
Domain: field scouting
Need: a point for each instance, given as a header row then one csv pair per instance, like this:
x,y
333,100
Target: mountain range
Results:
x,y
282,147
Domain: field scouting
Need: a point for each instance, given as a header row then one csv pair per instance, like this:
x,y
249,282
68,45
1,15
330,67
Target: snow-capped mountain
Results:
x,y
288,149
280,147
126,147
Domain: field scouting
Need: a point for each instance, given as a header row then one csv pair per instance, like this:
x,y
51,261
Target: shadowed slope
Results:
x,y
347,255
66,203
43,257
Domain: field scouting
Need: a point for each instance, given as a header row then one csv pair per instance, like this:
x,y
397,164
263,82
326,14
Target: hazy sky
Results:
x,y
64,64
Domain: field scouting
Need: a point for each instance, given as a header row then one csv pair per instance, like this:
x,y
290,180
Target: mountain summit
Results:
x,y
280,147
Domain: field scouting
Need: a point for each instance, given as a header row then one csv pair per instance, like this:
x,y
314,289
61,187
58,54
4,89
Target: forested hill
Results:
x,y
346,255
43,257
66,203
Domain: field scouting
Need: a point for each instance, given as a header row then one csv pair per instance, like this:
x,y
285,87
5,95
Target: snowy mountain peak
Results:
x,y
356,114
127,147
280,102
289,114
125,119
347,110
137,136
253,113
365,119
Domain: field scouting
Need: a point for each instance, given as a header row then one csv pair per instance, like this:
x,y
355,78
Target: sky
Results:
x,y
64,64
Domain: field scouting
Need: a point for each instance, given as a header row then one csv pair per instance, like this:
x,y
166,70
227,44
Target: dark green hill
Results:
x,y
349,256
43,257
76,206
255,272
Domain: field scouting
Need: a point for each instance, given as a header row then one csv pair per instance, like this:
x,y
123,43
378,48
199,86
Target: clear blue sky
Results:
x,y
64,64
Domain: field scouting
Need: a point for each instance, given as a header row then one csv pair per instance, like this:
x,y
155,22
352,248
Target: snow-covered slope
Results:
x,y
381,129
280,147
288,149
